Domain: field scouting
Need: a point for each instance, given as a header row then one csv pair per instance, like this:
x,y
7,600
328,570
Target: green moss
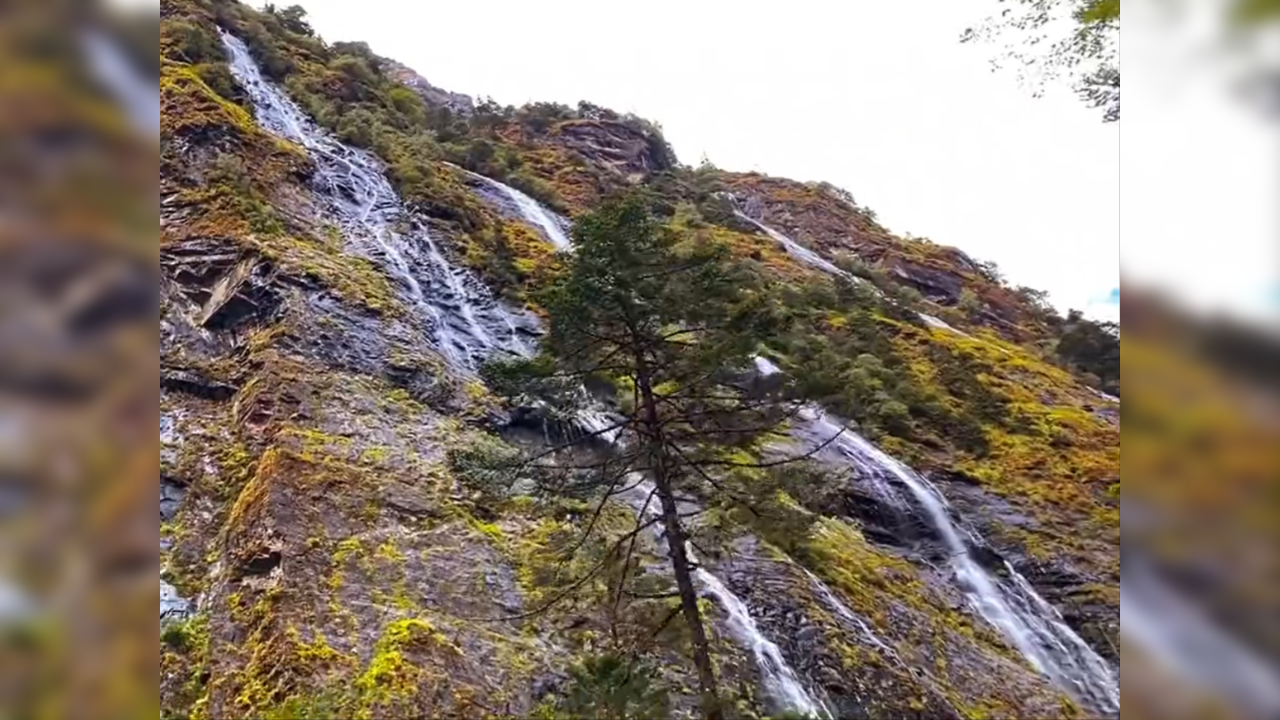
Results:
x,y
353,279
188,104
393,678
185,654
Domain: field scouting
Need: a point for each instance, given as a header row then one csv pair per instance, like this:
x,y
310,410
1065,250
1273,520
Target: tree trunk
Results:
x,y
677,548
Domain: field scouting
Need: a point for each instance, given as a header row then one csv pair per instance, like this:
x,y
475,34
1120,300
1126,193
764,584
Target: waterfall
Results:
x,y
848,615
531,210
1103,396
1014,608
138,94
780,681
805,255
942,325
1034,627
363,204
467,324
1175,633
173,607
813,259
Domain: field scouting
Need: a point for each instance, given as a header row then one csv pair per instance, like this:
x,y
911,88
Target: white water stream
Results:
x,y
467,323
1175,633
813,259
552,227
805,255
780,681
367,209
364,206
1012,607
137,94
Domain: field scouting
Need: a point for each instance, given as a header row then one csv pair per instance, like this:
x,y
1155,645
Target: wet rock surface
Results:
x,y
316,528
938,286
855,661
1069,582
613,145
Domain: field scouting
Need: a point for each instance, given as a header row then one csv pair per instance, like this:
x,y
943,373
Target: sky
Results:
x,y
877,97
1200,175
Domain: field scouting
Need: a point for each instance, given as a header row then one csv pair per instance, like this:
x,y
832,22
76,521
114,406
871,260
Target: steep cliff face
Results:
x,y
339,259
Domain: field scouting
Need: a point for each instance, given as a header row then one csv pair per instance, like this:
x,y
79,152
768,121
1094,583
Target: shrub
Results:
x,y
359,127
614,687
190,43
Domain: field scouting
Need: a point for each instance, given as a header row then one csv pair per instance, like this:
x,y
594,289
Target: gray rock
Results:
x,y
173,607
171,495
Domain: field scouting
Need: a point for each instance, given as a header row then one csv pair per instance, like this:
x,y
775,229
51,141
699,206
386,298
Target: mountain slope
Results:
x,y
321,326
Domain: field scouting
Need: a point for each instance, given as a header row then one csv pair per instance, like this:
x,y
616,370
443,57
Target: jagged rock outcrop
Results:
x,y
617,146
456,102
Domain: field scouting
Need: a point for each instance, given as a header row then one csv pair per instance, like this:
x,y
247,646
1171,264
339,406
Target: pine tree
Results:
x,y
673,320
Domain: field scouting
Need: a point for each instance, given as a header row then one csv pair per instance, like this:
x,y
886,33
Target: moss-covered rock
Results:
x,y
344,562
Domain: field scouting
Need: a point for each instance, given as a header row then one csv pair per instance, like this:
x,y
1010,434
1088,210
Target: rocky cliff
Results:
x,y
343,249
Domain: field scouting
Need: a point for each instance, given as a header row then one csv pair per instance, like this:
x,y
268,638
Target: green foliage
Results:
x,y
1044,40
683,298
186,635
486,465
1091,347
293,18
409,104
615,687
970,304
190,43
360,128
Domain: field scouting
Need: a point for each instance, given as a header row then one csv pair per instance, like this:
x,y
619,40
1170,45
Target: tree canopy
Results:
x,y
1045,41
669,322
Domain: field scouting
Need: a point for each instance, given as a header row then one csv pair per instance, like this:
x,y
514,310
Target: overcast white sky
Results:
x,y
878,96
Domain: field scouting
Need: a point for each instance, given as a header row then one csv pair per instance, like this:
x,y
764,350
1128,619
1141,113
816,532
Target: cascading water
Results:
x,y
813,259
1104,396
805,255
366,208
1174,632
848,615
779,679
941,324
137,94
468,324
1013,607
531,210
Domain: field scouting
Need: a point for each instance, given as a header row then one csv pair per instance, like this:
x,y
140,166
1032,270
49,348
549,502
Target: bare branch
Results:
x,y
604,499
573,587
652,596
667,620
526,462
774,463
714,483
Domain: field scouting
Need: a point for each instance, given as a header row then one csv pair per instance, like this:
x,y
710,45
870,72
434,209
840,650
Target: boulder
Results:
x,y
936,285
614,145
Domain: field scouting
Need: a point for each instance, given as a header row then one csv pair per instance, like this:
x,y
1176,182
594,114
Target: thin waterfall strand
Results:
x,y
467,323
813,259
1034,626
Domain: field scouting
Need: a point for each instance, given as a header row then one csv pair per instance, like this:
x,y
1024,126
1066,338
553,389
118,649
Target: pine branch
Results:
x,y
611,491
776,463
573,587
713,482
